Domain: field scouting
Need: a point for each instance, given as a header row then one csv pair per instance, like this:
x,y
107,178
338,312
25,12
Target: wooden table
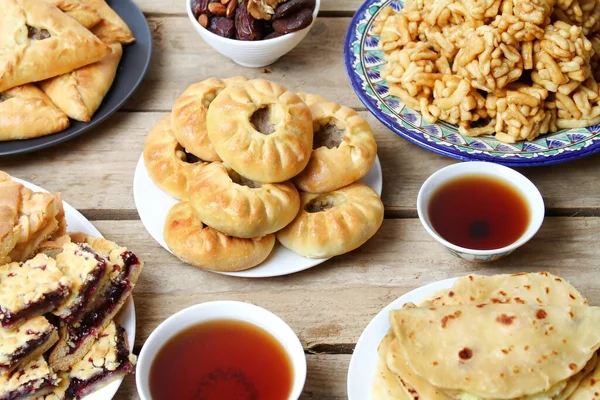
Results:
x,y
330,305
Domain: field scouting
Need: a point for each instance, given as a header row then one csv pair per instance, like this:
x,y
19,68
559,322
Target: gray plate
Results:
x,y
132,69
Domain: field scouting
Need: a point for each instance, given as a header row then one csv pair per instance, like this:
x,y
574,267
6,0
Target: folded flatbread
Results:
x,y
79,93
589,388
38,41
111,28
80,12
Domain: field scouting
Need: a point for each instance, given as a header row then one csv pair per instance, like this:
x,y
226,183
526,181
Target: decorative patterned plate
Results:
x,y
364,61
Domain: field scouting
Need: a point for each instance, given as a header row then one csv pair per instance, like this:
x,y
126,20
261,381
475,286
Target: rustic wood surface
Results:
x,y
95,174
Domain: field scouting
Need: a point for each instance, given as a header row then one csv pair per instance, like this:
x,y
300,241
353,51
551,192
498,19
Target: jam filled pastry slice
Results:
x,y
109,359
59,392
30,381
27,342
30,289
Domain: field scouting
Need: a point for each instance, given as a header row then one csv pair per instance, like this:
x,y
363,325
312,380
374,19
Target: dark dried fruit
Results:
x,y
295,22
273,35
217,9
247,27
222,26
203,20
231,7
293,6
199,7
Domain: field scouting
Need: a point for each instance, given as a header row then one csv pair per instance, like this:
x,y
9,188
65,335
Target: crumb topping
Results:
x,y
34,376
13,340
59,392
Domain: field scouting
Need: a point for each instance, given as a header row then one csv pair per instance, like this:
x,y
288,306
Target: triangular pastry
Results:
x,y
80,12
38,41
80,93
26,112
111,28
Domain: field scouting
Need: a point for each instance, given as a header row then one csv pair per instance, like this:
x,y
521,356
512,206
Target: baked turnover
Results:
x,y
189,116
167,162
80,12
30,381
202,246
231,204
333,223
262,130
343,143
111,28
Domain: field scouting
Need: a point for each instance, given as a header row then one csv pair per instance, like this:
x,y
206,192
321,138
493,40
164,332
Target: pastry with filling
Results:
x,y
10,202
111,28
206,248
30,381
80,12
333,223
25,343
30,289
59,392
109,359
38,41
26,112
76,339
79,93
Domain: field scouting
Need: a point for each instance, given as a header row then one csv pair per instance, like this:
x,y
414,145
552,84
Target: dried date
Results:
x,y
293,6
273,35
247,27
199,7
295,22
222,26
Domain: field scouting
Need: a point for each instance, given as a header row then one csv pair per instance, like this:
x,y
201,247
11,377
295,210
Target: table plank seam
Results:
x,y
322,14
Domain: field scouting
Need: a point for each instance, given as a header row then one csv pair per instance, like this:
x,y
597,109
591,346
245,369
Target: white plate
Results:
x,y
126,317
365,357
153,206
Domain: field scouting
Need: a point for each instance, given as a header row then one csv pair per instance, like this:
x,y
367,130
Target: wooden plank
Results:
x,y
178,6
101,165
325,380
401,257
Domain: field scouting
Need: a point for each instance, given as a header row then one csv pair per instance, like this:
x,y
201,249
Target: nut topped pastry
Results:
x,y
32,380
30,289
25,343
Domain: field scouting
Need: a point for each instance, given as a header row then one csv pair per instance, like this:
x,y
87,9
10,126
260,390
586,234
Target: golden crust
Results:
x,y
24,60
206,248
276,157
10,203
348,217
332,168
241,211
80,12
165,160
79,93
189,116
28,113
111,28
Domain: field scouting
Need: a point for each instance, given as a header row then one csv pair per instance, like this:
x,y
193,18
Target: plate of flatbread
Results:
x,y
66,66
522,336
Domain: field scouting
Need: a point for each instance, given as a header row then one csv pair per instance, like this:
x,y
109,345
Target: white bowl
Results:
x,y
254,54
527,189
219,310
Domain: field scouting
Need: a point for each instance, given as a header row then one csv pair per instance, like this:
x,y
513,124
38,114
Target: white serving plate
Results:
x,y
126,317
153,205
365,357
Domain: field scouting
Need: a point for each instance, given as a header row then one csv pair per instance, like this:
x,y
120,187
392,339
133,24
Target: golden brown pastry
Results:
x,y
38,41
79,93
111,28
262,130
10,202
26,112
203,247
80,12
167,161
344,147
189,116
225,201
333,223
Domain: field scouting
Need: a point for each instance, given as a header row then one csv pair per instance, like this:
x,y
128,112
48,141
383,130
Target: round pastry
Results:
x,y
231,204
168,164
343,143
189,115
262,130
333,223
203,247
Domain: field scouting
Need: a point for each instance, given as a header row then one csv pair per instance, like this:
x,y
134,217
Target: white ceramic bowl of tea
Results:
x,y
219,311
523,186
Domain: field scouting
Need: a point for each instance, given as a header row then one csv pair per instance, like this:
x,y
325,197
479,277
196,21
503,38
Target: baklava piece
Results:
x,y
27,342
109,359
88,273
30,289
30,381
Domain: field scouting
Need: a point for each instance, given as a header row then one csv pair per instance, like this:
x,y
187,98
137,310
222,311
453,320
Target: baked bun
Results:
x,y
333,223
167,161
202,246
189,116
231,204
344,147
240,113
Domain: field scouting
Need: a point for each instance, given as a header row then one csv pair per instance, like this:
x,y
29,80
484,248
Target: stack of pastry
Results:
x,y
252,162
58,59
58,296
